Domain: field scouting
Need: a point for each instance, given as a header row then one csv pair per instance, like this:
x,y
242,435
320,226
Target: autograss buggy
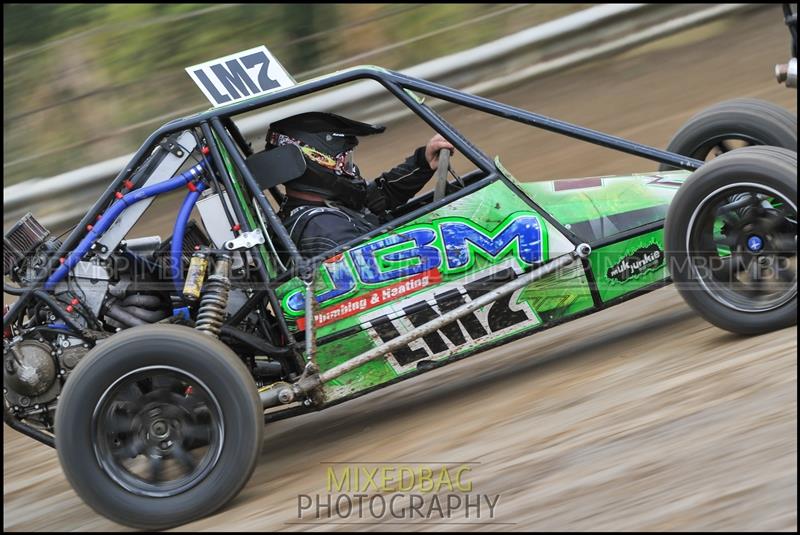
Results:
x,y
151,365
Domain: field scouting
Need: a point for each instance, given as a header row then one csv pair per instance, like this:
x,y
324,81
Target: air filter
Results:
x,y
24,237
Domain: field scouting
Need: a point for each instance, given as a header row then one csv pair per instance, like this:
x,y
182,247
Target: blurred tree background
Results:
x,y
83,83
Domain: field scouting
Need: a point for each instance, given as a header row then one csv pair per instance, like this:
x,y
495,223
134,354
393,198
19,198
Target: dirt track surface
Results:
x,y
640,417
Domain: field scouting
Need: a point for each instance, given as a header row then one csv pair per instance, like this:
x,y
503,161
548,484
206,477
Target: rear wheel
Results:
x,y
158,426
731,238
731,125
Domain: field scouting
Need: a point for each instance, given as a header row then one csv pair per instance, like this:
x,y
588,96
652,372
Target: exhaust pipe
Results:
x,y
787,73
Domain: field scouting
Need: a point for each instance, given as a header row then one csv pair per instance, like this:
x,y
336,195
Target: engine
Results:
x,y
103,294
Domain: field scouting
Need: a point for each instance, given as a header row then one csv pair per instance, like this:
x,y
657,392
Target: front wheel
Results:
x,y
158,426
731,239
734,124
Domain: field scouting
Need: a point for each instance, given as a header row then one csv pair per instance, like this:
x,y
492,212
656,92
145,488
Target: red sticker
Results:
x,y
375,298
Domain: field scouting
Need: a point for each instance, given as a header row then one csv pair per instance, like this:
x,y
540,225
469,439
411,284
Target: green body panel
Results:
x,y
600,207
624,267
386,286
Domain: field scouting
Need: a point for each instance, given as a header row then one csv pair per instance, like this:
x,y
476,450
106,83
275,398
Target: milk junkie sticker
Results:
x,y
240,76
637,264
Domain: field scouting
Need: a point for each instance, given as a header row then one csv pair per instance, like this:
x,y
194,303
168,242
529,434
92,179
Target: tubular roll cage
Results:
x,y
218,129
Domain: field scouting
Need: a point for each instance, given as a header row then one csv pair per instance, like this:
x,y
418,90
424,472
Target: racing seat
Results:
x,y
276,166
273,167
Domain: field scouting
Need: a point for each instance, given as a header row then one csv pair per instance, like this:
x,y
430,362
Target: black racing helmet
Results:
x,y
327,142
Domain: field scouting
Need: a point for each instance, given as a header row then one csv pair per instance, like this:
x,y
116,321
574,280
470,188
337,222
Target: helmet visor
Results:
x,y
341,164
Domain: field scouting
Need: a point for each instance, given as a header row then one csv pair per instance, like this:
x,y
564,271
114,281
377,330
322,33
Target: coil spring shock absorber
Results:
x,y
214,299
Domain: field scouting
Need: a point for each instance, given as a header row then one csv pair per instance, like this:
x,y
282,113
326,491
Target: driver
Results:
x,y
330,204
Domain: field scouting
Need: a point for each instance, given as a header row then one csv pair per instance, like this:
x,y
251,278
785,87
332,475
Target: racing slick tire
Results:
x,y
731,240
159,425
747,120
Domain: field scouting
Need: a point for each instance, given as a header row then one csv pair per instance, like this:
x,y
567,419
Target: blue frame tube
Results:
x,y
176,246
113,213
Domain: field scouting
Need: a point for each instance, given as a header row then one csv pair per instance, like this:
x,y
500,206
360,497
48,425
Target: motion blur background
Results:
x,y
85,83
639,417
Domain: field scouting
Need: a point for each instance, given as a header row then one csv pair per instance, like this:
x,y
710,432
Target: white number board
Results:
x,y
240,76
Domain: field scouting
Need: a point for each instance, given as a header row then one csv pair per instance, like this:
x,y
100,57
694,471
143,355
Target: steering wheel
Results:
x,y
441,174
